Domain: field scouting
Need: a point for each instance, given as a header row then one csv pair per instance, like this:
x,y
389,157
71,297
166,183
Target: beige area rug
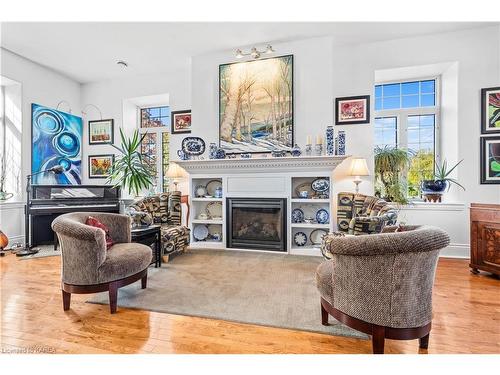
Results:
x,y
266,289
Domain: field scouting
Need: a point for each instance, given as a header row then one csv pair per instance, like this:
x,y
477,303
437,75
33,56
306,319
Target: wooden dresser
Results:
x,y
485,238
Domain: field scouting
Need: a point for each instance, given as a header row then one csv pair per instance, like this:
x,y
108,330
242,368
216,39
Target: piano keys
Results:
x,y
46,202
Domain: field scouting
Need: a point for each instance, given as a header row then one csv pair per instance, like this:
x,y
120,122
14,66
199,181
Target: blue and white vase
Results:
x,y
220,153
212,151
330,141
341,142
296,151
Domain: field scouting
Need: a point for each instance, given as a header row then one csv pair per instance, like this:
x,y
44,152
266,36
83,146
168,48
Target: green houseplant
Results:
x,y
432,190
130,170
390,162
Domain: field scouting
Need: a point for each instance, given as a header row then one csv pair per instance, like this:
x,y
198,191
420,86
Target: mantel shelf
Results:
x,y
270,164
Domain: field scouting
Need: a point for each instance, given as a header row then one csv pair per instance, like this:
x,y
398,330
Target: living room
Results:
x,y
277,187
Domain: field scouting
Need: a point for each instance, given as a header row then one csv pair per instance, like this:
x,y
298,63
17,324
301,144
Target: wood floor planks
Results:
x,y
466,320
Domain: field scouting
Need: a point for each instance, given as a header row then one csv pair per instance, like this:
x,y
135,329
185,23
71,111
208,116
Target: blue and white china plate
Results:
x,y
200,191
320,185
193,146
300,238
316,236
322,216
200,232
297,215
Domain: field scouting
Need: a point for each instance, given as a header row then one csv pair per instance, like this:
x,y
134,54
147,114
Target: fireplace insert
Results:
x,y
256,223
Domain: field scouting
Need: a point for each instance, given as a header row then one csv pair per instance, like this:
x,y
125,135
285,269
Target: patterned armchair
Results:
x,y
362,214
165,209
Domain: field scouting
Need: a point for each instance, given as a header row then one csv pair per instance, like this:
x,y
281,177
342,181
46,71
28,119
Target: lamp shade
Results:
x,y
359,167
175,171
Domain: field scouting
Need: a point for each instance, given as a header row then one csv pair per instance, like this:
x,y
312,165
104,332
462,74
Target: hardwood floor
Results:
x,y
466,320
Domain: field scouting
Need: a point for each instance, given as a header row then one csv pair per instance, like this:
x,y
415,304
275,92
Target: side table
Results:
x,y
149,236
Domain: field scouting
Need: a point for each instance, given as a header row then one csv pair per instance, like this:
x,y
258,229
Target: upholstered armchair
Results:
x,y
165,209
382,284
363,214
88,266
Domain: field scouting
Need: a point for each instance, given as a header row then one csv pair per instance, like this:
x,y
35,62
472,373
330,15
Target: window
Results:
x,y
407,116
155,121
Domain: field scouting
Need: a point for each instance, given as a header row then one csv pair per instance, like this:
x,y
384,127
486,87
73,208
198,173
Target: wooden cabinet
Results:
x,y
485,238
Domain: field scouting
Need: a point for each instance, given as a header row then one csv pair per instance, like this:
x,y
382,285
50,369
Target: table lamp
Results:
x,y
175,171
358,168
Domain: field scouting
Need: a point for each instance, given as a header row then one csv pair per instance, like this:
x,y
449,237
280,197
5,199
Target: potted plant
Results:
x,y
129,170
390,162
432,190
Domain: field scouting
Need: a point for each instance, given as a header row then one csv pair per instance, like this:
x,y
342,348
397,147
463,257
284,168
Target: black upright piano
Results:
x,y
46,202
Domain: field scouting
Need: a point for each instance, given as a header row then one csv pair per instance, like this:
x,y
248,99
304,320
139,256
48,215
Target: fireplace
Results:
x,y
256,223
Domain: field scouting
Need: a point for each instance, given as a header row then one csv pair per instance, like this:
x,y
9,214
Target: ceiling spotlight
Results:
x,y
254,52
122,64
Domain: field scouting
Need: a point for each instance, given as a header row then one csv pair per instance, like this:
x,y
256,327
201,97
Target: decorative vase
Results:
x,y
341,142
330,141
308,149
212,151
218,192
296,151
432,190
246,155
182,155
220,153
4,240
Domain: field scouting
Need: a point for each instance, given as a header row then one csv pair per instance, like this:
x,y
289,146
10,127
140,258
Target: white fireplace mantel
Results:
x,y
262,165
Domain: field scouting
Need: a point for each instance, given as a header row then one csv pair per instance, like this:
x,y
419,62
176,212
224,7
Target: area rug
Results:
x,y
266,289
45,251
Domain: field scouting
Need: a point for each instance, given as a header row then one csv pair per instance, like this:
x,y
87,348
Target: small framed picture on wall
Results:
x,y
490,110
101,132
181,121
352,110
100,165
490,160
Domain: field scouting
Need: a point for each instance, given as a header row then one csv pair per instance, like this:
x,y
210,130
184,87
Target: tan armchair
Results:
x,y
87,267
381,284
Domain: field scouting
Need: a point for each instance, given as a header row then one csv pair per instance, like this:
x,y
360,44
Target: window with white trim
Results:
x,y
155,121
407,116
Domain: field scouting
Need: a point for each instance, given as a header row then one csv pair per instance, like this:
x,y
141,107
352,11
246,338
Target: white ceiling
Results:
x,y
87,52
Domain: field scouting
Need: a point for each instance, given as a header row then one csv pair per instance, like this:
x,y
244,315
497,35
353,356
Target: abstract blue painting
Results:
x,y
57,140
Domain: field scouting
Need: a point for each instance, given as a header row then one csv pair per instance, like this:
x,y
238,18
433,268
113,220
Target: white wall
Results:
x,y
111,97
42,86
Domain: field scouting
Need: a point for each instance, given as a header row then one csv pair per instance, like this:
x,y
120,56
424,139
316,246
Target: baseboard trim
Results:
x,y
14,239
456,250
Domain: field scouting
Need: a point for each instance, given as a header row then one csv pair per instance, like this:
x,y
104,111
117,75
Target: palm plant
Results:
x,y
390,162
129,170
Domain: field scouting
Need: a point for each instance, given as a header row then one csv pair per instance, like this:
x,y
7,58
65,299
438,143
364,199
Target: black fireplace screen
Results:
x,y
256,223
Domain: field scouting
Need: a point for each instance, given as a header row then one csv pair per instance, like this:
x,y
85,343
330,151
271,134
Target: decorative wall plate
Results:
x,y
300,238
200,232
302,187
322,216
214,209
297,215
212,185
200,191
214,229
193,146
320,185
316,236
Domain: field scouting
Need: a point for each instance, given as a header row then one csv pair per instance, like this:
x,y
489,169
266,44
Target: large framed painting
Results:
x,y
256,105
181,121
56,140
490,110
352,110
490,160
100,165
101,132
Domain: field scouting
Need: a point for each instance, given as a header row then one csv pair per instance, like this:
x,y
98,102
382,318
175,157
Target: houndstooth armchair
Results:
x,y
165,209
382,284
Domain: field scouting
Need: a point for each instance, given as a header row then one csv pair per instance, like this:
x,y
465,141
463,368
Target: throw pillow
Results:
x,y
93,222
